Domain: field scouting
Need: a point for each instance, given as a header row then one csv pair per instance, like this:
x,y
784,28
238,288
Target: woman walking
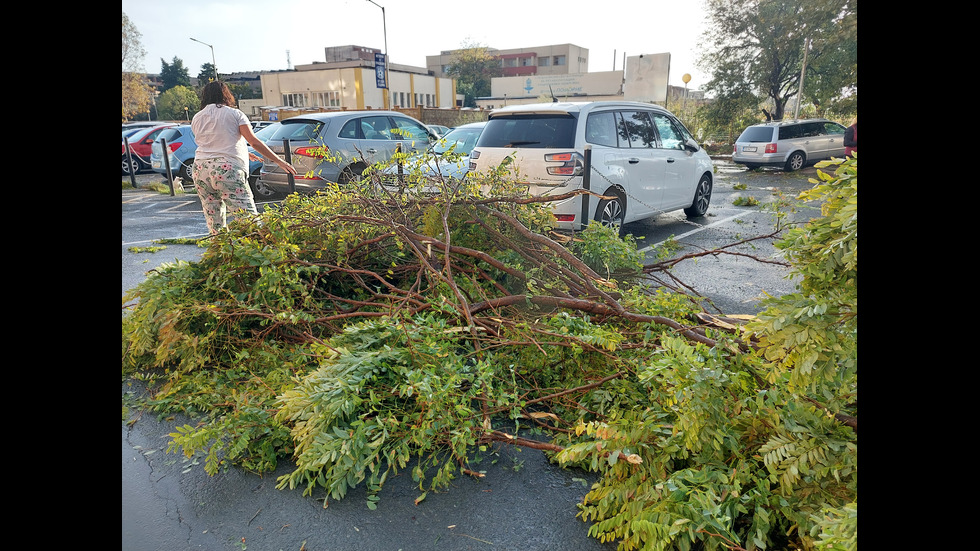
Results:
x,y
223,134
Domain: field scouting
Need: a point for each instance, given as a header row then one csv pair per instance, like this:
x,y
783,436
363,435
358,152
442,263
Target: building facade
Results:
x,y
556,59
349,80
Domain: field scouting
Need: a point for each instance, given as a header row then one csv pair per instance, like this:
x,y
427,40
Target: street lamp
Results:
x,y
213,66
384,24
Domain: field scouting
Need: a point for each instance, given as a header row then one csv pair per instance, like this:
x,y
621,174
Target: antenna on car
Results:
x,y
553,98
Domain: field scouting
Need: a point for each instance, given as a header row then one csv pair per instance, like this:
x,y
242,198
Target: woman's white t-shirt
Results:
x,y
217,134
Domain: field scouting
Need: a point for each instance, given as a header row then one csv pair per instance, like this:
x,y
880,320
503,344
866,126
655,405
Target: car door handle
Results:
x,y
670,159
634,160
372,150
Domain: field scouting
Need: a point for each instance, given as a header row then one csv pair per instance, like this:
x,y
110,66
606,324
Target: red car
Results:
x,y
139,146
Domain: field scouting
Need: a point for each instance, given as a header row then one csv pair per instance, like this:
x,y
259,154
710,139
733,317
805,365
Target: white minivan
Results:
x,y
643,160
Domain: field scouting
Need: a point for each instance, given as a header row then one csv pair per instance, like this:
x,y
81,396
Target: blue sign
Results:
x,y
379,67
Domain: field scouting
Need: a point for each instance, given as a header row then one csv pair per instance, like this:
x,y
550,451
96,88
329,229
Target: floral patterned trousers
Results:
x,y
222,186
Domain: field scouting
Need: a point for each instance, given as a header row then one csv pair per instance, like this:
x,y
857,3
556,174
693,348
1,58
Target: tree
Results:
x,y
206,74
136,93
473,66
178,103
173,74
757,47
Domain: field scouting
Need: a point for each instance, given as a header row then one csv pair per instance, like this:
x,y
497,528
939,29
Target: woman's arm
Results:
x,y
259,145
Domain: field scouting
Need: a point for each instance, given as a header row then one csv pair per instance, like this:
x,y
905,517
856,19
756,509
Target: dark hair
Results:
x,y
216,92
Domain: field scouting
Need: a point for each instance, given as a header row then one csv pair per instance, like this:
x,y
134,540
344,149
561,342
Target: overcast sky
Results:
x,y
255,35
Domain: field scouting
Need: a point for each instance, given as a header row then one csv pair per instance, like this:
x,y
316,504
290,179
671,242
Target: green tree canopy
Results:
x,y
206,74
172,103
757,48
473,66
174,74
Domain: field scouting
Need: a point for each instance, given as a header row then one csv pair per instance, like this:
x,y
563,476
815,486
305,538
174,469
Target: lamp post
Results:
x,y
213,66
686,78
384,24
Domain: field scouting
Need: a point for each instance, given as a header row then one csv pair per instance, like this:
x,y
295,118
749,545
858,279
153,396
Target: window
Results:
x,y
297,131
375,128
600,129
406,129
670,137
544,61
294,100
559,60
326,99
833,128
530,131
636,130
527,61
510,62
791,131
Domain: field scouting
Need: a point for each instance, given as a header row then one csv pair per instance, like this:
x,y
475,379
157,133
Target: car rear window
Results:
x,y
297,131
530,131
756,134
170,135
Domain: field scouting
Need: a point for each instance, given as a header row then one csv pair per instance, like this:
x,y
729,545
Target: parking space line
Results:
x,y
649,248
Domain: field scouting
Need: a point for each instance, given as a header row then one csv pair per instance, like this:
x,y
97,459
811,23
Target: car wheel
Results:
x,y
702,198
795,161
351,174
260,191
185,173
130,167
612,212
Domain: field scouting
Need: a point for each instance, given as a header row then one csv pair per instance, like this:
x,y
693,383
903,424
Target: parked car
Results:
x,y
643,159
461,140
141,124
139,145
259,190
789,144
338,146
258,125
438,129
180,142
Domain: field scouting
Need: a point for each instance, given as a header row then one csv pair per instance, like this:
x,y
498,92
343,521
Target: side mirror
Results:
x,y
691,145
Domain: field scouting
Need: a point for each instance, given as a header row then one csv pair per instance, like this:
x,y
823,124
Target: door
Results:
x,y
643,163
679,164
835,139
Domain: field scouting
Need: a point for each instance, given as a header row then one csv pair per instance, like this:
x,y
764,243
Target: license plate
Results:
x,y
749,149
156,164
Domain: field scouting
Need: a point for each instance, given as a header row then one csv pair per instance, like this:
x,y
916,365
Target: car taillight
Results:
x,y
770,148
572,163
565,217
175,146
313,151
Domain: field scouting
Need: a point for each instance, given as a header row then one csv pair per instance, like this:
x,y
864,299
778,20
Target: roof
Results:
x,y
570,107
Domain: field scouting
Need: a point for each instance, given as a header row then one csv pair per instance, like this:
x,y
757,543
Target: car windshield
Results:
x,y
463,138
756,134
530,131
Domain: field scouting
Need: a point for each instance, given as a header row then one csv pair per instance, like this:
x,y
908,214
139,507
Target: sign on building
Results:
x,y
379,68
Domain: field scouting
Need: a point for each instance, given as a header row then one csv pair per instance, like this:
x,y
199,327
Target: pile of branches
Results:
x,y
367,330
